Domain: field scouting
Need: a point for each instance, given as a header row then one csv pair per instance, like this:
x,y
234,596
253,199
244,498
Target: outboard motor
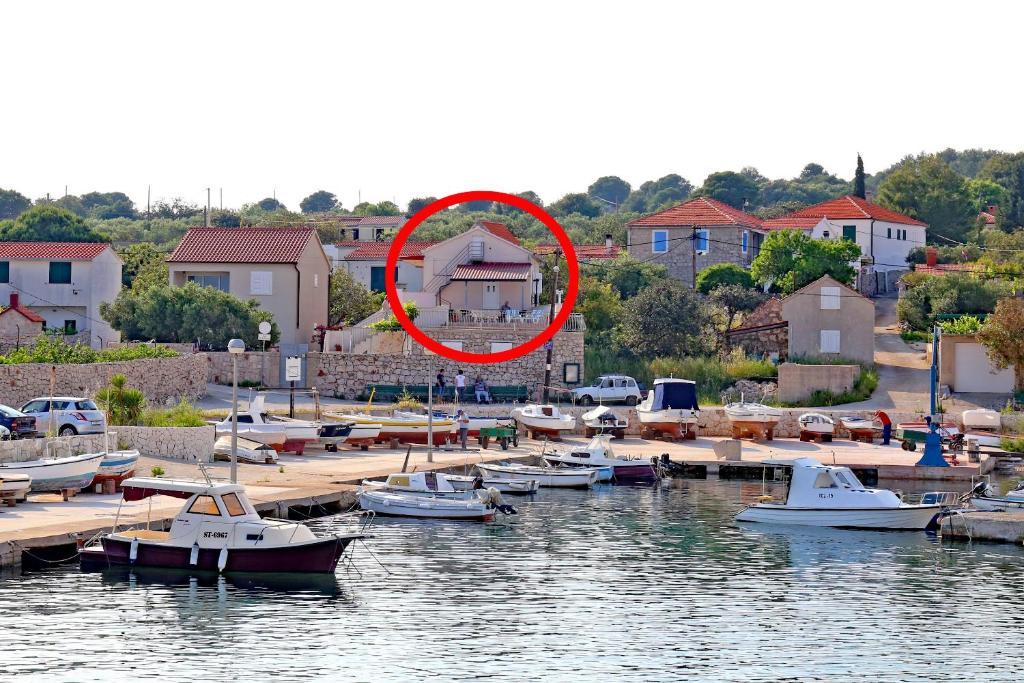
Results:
x,y
492,497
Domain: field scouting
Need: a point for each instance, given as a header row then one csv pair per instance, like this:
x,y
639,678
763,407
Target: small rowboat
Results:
x,y
55,474
413,505
116,466
556,477
817,423
516,487
544,419
15,486
857,423
251,452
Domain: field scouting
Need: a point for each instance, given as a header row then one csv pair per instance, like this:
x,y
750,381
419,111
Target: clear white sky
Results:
x,y
428,98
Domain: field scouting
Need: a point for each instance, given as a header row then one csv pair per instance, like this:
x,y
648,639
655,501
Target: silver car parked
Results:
x,y
65,415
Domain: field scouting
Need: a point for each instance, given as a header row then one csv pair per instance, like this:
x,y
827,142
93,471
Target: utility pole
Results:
x,y
222,199
693,258
149,188
550,344
430,419
207,207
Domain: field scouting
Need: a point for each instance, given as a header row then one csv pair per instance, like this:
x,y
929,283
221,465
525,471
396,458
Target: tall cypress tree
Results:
x,y
859,189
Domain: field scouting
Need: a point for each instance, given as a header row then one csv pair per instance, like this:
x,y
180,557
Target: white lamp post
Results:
x,y
235,347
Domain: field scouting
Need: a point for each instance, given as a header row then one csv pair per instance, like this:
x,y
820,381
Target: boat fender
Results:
x,y
222,559
764,499
193,558
133,552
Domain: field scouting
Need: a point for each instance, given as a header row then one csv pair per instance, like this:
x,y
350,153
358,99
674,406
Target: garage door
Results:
x,y
974,372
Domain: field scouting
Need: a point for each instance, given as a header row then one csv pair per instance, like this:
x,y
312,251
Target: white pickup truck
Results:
x,y
609,389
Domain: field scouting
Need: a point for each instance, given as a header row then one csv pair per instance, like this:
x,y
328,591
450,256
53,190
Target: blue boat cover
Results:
x,y
675,395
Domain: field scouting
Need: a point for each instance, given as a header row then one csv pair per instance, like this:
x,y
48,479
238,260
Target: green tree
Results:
x,y
1003,337
612,189
859,180
138,257
931,191
186,314
270,204
104,205
123,404
1007,170
629,276
47,223
600,306
734,299
720,274
174,208
735,189
225,218
384,208
576,203
985,193
320,201
666,319
415,205
951,293
790,259
12,203
349,300
655,195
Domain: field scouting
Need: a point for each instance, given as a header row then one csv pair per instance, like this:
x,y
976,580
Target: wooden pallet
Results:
x,y
806,435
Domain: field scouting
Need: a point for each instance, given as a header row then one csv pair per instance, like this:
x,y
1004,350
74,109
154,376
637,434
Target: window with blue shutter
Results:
x,y
5,271
659,241
60,272
745,242
850,232
701,243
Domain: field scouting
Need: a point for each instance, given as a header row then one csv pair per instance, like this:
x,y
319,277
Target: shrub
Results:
x,y
720,274
1012,445
406,401
184,414
948,294
391,324
915,336
124,405
54,350
965,324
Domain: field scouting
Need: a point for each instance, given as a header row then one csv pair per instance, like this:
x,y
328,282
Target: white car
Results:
x,y
609,389
70,415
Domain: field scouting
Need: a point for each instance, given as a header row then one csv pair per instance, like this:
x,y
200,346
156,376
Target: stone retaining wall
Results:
x,y
345,375
797,382
253,366
158,378
34,449
177,443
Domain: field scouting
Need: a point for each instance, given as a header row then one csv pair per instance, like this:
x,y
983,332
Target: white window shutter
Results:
x,y
829,341
830,298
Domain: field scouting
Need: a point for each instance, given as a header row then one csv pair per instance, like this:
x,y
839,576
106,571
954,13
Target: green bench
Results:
x,y
383,393
508,394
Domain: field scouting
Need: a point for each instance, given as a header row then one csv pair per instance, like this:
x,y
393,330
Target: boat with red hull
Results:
x,y
216,530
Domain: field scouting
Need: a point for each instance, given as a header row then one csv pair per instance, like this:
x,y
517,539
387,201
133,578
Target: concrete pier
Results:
x,y
1005,527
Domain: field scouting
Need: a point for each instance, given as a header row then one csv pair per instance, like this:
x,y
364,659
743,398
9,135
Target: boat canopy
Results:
x,y
671,394
138,488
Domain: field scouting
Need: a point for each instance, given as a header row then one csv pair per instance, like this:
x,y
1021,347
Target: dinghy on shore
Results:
x,y
56,474
544,420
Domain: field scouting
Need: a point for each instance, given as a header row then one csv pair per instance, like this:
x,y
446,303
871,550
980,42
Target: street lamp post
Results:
x,y
551,316
235,347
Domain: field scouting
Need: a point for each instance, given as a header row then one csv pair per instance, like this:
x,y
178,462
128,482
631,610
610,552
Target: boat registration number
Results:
x,y
215,534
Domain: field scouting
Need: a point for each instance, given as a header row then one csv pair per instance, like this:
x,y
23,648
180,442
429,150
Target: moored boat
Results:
x,y
984,497
429,507
555,477
752,418
217,529
832,496
55,474
670,408
599,453
251,452
601,420
545,419
283,433
518,487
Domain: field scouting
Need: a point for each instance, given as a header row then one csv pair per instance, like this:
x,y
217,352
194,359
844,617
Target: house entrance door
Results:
x,y
491,296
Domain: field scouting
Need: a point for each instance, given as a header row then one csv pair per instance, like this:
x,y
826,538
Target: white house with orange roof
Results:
x,y
885,236
284,269
63,283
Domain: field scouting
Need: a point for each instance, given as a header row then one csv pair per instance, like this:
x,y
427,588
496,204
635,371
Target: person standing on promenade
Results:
x,y
886,426
441,383
463,421
460,385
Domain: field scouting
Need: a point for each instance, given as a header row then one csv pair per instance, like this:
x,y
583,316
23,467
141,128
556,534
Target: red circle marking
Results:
x,y
569,301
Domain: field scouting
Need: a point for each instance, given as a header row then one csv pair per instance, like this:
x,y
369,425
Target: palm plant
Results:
x,y
123,404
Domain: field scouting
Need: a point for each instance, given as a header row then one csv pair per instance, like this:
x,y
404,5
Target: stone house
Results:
x,y
885,236
826,319
691,236
19,326
64,283
284,269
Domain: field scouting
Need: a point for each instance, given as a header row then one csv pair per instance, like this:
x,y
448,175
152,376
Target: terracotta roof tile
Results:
x,y
853,208
584,252
378,251
499,230
396,221
242,245
702,211
943,268
491,271
72,251
28,314
791,223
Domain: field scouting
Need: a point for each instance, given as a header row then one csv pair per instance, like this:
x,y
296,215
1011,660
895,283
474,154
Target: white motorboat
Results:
x,y
252,452
670,408
858,423
430,507
217,529
981,418
476,422
55,474
520,487
601,420
15,485
817,423
544,419
984,497
420,483
752,418
556,477
598,453
832,496
283,433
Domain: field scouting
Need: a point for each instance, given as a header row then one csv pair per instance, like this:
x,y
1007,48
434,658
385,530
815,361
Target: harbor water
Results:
x,y
620,583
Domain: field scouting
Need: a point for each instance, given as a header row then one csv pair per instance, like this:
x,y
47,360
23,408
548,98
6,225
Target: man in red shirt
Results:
x,y
886,426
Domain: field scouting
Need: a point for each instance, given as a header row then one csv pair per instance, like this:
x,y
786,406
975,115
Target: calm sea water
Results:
x,y
643,584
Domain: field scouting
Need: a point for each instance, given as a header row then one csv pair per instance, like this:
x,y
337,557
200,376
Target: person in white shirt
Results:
x,y
463,421
460,385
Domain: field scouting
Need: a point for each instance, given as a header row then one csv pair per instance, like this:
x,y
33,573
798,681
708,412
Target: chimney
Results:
x,y
931,256
14,299
869,196
608,244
